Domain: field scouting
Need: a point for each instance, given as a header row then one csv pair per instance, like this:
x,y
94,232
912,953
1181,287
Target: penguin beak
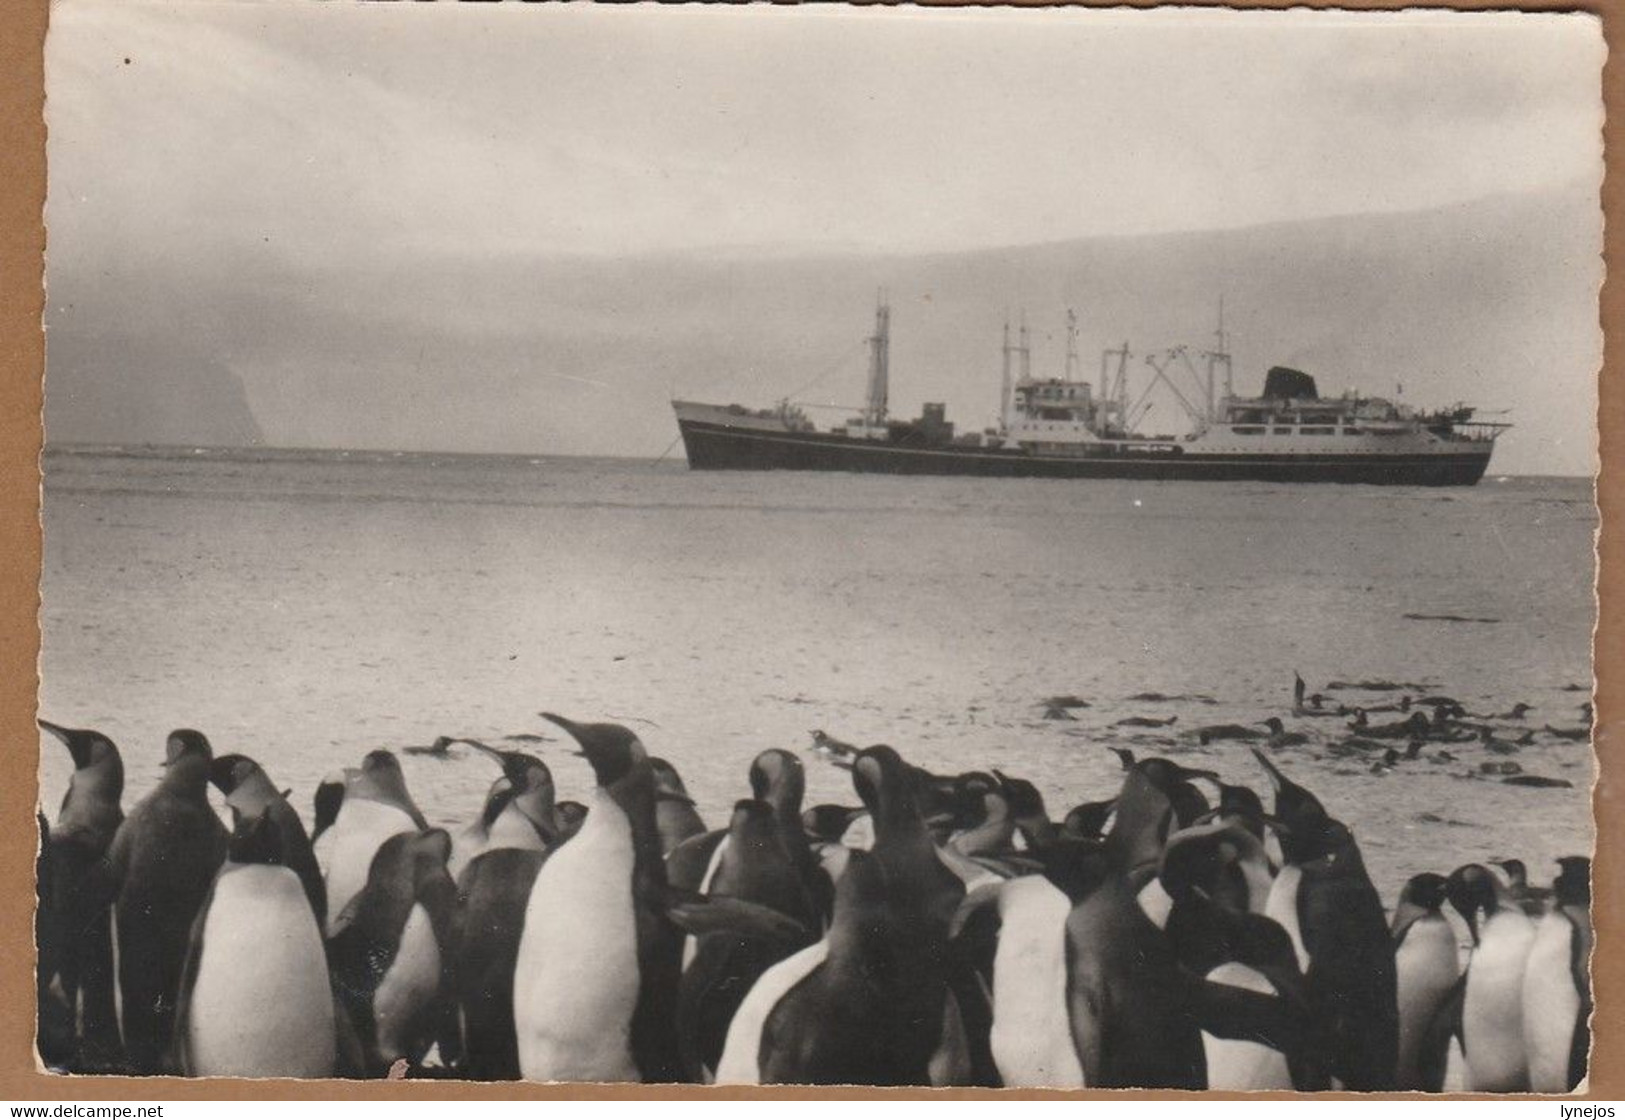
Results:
x,y
1276,777
59,732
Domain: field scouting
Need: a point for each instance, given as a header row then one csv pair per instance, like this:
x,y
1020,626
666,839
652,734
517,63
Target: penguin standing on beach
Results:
x,y
675,816
758,868
520,810
250,792
1492,1017
389,953
254,999
595,983
1427,972
870,1003
376,806
163,860
74,919
496,865
1324,900
1557,984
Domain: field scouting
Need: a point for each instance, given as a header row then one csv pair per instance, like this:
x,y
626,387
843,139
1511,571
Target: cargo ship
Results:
x,y
1062,427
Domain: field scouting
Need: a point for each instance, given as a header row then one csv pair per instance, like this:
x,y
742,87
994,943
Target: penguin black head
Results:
x,y
255,838
668,782
86,748
1240,801
229,771
1088,821
185,744
1274,724
570,814
777,777
976,797
611,750
1195,857
753,823
523,771
887,785
828,822
1426,890
1023,797
1517,873
380,762
1189,803
1473,888
1305,829
1572,887
1125,756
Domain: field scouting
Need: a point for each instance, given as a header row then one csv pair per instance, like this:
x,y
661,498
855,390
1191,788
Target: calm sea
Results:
x,y
306,607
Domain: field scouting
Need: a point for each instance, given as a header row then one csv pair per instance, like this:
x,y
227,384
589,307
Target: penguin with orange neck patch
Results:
x,y
249,791
74,920
1324,899
254,998
870,1003
596,974
163,858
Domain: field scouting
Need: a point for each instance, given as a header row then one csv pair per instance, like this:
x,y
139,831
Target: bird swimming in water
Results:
x,y
1221,732
1280,736
1146,721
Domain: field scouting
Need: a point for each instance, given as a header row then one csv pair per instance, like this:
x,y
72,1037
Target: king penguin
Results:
x,y
250,792
376,806
1324,900
500,857
870,1003
163,858
255,1000
390,949
1428,969
1557,984
595,984
75,931
1492,1020
758,868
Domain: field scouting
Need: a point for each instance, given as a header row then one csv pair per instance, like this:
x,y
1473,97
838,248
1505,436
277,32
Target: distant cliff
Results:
x,y
122,389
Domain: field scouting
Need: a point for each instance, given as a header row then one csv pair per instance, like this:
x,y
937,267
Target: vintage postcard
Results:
x,y
820,546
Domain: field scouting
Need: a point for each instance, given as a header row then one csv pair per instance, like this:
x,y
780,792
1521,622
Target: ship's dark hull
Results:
x,y
720,447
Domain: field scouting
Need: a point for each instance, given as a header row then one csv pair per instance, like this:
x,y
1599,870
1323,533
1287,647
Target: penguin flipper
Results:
x,y
180,1058
701,914
1445,1024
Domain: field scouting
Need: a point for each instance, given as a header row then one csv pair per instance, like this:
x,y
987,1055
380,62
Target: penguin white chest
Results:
x,y
1236,1064
1283,909
359,831
741,1052
1492,1011
1427,967
1551,1005
407,990
576,980
260,1004
1032,1034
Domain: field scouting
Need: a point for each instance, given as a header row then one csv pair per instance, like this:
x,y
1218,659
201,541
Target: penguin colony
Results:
x,y
944,930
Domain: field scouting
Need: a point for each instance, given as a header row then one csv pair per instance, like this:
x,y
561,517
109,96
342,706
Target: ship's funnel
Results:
x,y
1286,384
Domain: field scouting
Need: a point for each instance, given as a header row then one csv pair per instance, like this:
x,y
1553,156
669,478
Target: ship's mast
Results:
x,y
1218,358
1071,345
1025,350
1004,385
874,414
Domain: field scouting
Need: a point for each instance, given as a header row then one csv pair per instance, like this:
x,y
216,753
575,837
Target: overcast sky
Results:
x,y
604,129
206,132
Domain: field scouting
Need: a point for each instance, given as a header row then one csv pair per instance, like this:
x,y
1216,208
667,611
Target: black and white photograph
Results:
x,y
819,545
